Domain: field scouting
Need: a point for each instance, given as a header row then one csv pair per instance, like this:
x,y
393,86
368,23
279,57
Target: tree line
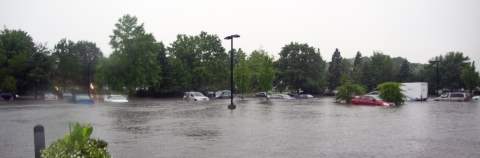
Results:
x,y
140,64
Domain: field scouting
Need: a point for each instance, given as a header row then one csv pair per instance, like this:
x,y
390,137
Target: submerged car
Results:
x,y
195,96
281,96
262,94
225,94
7,95
374,100
50,96
115,99
456,96
305,96
81,99
66,95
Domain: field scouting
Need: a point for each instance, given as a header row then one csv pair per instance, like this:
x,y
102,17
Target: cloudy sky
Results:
x,y
414,29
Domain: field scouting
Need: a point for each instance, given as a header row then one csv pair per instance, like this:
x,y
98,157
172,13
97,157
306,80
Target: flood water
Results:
x,y
257,128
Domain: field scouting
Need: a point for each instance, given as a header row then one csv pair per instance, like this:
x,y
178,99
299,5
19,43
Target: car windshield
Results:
x,y
82,97
67,94
377,97
117,97
198,94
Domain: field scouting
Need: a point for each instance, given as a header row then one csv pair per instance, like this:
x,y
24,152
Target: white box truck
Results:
x,y
418,91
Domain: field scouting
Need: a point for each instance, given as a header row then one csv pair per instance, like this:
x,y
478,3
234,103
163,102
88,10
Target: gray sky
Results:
x,y
414,29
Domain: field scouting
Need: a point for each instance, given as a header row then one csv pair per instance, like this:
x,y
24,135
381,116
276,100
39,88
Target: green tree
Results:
x,y
40,76
241,75
404,73
300,67
335,70
383,68
470,76
89,55
391,91
358,59
450,68
266,74
368,78
67,66
254,62
347,91
16,49
204,61
136,52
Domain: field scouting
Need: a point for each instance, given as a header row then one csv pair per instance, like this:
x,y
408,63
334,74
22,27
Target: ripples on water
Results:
x,y
257,128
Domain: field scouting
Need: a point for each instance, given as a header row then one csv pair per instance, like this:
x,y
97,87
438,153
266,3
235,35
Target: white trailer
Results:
x,y
418,91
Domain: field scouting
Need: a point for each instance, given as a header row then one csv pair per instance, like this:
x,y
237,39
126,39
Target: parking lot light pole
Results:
x,y
436,87
231,106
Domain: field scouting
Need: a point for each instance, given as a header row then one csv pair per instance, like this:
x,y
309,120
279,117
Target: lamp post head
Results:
x,y
232,36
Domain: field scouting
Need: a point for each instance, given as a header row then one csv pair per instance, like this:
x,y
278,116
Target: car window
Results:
x,y
370,98
363,98
444,96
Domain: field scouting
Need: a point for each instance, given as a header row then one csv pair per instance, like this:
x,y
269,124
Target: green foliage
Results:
x,y
9,84
202,61
391,91
470,76
404,74
347,91
241,75
67,63
450,68
266,74
300,67
335,70
135,54
77,144
254,62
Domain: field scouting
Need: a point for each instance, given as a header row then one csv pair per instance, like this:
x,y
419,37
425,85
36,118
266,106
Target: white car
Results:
x,y
50,96
115,98
476,98
195,96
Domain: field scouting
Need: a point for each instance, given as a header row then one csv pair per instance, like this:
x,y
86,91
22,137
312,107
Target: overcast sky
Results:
x,y
414,29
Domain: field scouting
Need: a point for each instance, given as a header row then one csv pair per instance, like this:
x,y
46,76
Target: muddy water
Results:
x,y
257,128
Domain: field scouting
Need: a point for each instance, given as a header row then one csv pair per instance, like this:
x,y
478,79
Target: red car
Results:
x,y
374,100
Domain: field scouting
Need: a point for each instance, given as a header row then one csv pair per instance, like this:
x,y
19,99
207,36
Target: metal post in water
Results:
x,y
39,139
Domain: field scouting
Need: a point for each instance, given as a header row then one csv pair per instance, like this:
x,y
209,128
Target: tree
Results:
x,y
40,76
136,54
449,71
204,61
383,68
335,70
254,63
16,49
266,74
358,59
470,77
404,74
368,78
241,75
67,65
89,55
391,91
300,67
347,91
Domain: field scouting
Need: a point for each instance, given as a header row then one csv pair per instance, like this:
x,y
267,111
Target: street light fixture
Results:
x,y
436,87
231,106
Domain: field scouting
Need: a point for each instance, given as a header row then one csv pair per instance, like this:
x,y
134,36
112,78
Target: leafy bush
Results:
x,y
77,144
391,91
347,91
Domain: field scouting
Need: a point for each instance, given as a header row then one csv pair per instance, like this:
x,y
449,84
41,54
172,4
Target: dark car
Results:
x,y
208,93
224,94
262,94
7,95
81,99
291,94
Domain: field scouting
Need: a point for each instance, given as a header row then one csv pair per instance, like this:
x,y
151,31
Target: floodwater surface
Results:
x,y
256,128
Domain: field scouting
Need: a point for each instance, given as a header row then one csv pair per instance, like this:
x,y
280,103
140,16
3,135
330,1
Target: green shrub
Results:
x,y
77,144
391,91
347,91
